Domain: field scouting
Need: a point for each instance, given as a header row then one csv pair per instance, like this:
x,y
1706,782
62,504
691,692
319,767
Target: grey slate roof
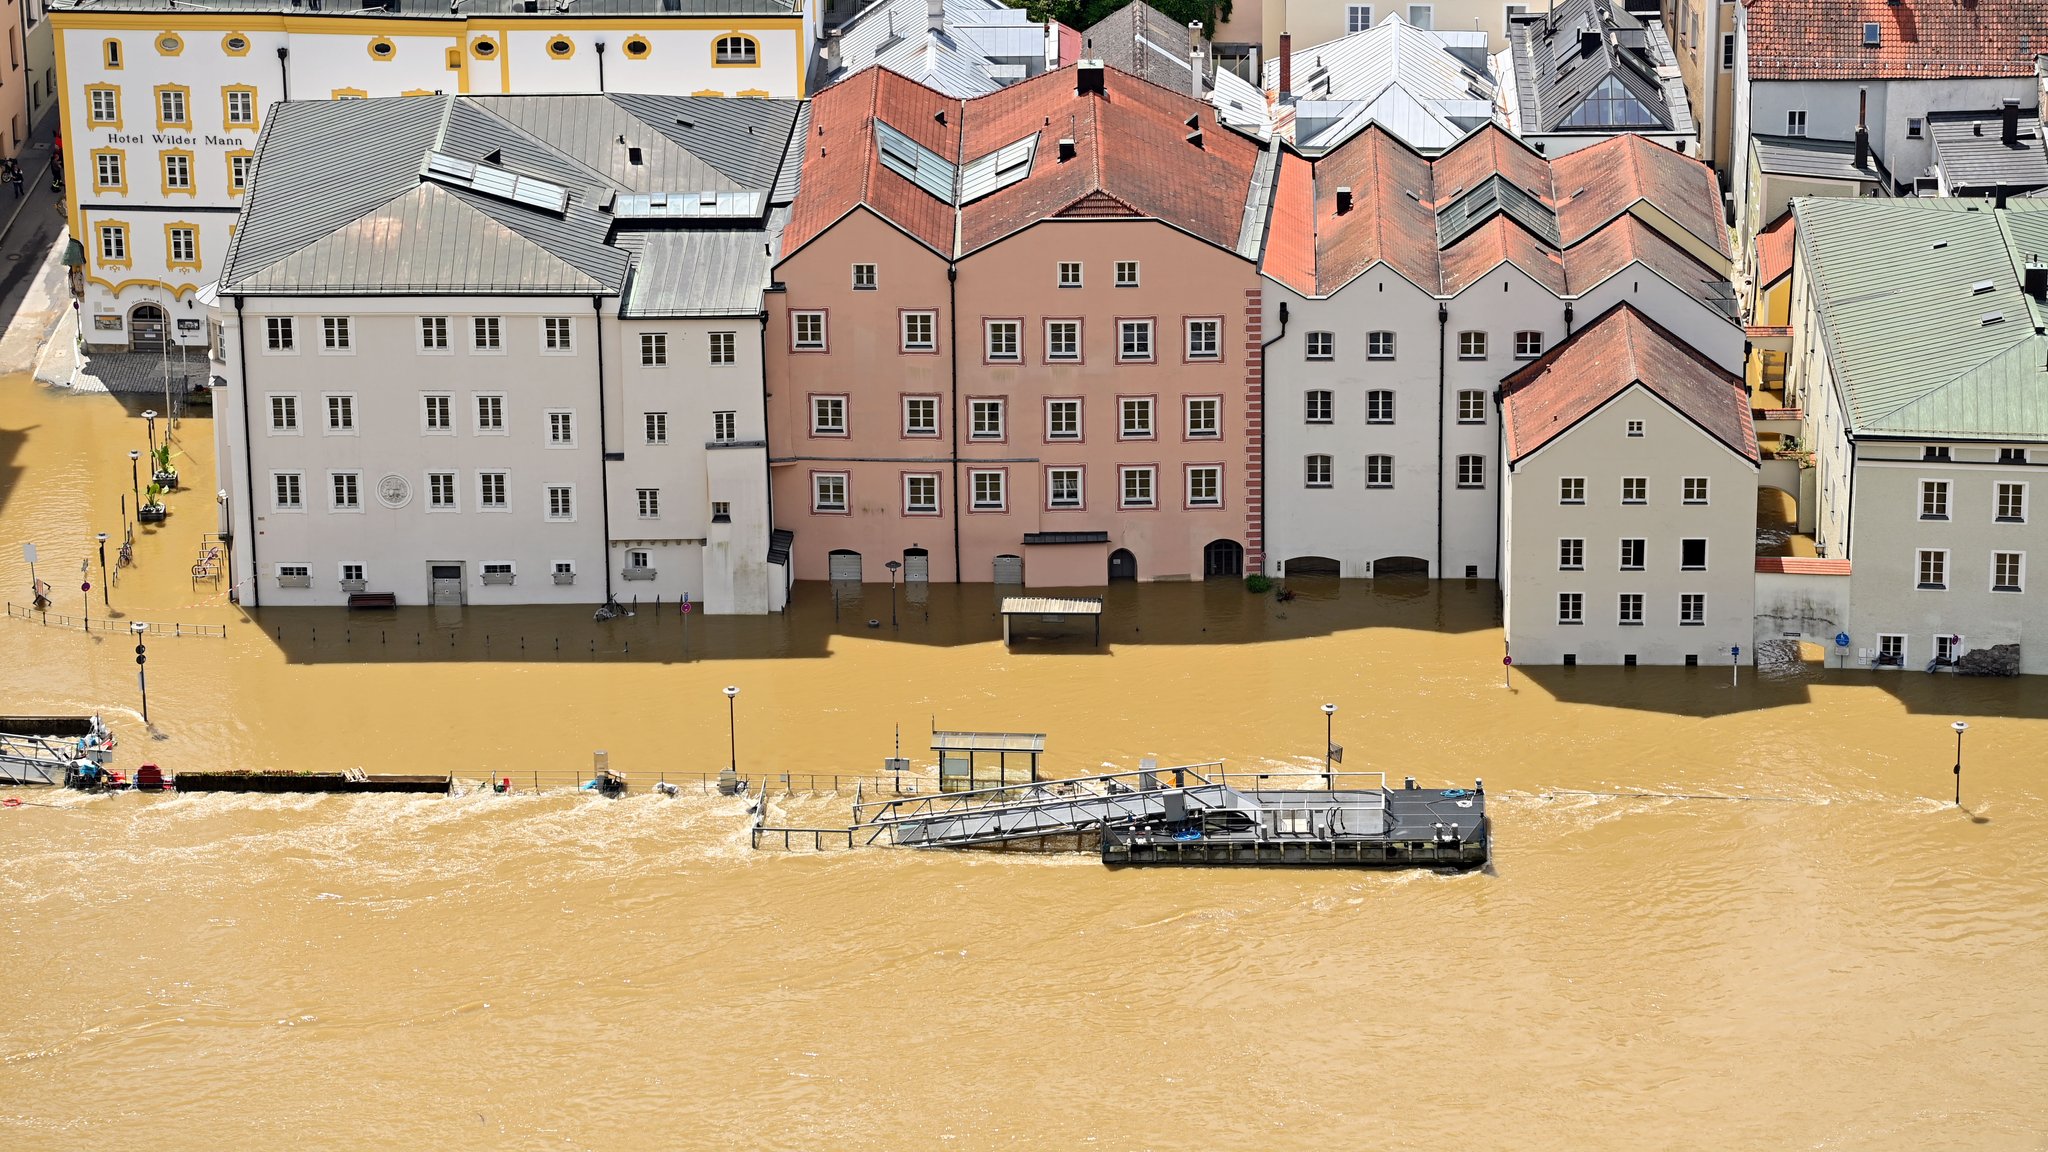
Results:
x,y
438,9
1560,81
1822,159
343,202
1146,42
1907,290
1974,157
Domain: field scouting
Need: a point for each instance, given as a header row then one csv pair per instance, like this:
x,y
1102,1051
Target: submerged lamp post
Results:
x,y
732,730
141,675
1960,728
103,572
150,417
1329,746
892,566
135,477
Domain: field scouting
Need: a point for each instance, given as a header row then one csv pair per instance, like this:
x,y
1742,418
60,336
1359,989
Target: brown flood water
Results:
x,y
1851,963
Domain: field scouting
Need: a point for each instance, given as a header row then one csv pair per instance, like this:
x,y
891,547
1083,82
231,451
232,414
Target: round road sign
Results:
x,y
1507,661
1841,639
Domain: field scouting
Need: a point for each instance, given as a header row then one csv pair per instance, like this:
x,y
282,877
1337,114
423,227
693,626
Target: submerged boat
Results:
x,y
52,749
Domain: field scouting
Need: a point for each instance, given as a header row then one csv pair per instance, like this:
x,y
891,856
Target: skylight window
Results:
x,y
1872,35
1981,287
497,182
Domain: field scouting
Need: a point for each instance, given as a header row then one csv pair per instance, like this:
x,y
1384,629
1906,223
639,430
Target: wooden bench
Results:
x,y
372,600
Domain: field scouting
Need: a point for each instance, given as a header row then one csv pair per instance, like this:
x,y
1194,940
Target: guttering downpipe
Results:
x,y
1443,328
604,466
284,76
248,453
1848,520
1266,435
600,67
767,465
953,347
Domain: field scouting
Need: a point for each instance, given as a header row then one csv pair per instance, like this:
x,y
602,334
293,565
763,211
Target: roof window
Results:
x,y
1981,287
1872,35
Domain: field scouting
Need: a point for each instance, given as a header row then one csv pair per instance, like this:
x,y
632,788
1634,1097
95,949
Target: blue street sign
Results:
x,y
1841,639
1736,650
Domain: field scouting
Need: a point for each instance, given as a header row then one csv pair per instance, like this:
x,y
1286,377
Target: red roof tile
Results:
x,y
1774,247
1290,255
842,165
1492,149
1597,184
1621,349
1627,241
1390,218
1917,39
1131,144
1496,242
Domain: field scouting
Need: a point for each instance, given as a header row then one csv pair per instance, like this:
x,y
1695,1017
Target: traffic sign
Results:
x,y
1507,661
1735,650
85,587
1841,639
686,607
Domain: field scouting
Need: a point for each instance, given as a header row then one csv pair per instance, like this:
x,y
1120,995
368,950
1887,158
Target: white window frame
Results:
x,y
1381,465
1052,431
1003,341
1702,485
348,408
1642,554
722,348
1472,345
484,491
1571,554
297,427
332,327
819,482
930,323
434,340
1125,330
1571,489
427,427
1190,405
1471,470
654,427
558,336
298,486
911,429
1428,21
865,278
1204,346
1324,398
334,484
1472,406
910,505
2019,584
1634,430
1528,344
988,419
1642,489
1214,473
725,426
1795,122
1145,427
1571,608
1357,18
567,419
1997,499
1905,649
647,502
1379,406
559,494
1706,557
1061,277
1920,561
487,335
1125,474
1063,352
280,336
1319,345
1943,503
801,318
654,349
1318,470
1699,619
1053,478
454,492
1379,344
828,415
476,412
1126,274
976,502
1628,609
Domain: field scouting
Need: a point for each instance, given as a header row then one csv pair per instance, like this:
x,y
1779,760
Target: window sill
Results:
x,y
1692,568
1318,485
1933,587
1569,623
498,577
1924,516
637,573
565,578
2009,520
1571,502
1631,623
1379,487
2006,588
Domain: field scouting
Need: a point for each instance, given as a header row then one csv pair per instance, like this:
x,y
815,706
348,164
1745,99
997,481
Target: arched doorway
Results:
x,y
843,564
1222,560
146,328
1123,565
1400,566
1009,569
1310,566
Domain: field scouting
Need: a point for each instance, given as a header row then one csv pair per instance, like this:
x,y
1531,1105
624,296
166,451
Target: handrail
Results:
x,y
1034,792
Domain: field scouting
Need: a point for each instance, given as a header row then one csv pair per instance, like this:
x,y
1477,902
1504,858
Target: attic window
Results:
x,y
1872,36
1940,244
633,156
1981,287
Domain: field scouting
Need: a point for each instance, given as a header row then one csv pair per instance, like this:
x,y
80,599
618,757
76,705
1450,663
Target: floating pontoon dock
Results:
x,y
1197,815
307,782
38,749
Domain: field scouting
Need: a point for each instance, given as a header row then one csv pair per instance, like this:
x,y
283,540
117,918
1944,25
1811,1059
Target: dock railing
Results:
x,y
59,620
883,816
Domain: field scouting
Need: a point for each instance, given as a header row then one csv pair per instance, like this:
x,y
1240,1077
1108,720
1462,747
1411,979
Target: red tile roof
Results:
x,y
1918,39
1802,565
1610,202
1598,184
1774,246
842,164
1621,349
1132,157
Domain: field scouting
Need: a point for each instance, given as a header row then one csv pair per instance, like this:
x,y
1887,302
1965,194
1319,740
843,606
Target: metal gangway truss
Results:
x,y
1195,793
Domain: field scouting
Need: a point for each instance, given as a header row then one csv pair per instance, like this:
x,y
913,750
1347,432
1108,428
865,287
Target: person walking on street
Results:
x,y
14,178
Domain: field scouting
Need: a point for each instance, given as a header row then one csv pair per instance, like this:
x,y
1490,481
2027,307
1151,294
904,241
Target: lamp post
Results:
x,y
103,571
1329,745
141,657
732,730
135,475
150,416
892,566
1960,728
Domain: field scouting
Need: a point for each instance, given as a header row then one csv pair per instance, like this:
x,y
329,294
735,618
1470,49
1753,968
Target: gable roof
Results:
x,y
1147,43
1620,350
1774,248
512,195
958,175
980,46
1923,318
1917,39
1428,88
1592,66
1445,223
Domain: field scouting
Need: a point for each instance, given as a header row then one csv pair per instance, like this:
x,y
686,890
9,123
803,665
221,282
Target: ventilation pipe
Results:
x,y
935,17
1088,78
1862,128
2009,131
2034,280
1195,72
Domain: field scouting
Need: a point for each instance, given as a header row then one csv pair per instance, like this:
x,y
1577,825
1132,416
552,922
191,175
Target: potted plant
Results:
x,y
164,473
152,510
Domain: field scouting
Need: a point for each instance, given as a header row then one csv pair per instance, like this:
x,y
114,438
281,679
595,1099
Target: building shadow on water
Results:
x,y
1705,691
936,615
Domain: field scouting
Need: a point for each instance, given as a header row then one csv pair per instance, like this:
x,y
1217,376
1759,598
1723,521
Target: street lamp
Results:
x,y
1329,745
103,571
134,476
732,730
1960,728
892,566
141,657
150,416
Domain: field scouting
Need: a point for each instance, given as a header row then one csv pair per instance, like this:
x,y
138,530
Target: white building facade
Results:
x,y
1630,503
530,400
162,107
1382,433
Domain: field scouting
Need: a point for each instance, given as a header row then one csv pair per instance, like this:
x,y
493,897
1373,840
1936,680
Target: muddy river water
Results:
x,y
1841,959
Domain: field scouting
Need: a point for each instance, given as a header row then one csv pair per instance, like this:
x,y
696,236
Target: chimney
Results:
x,y
1343,201
1862,128
2009,132
1195,73
2034,280
1088,78
1194,35
935,16
831,51
1066,149
1286,68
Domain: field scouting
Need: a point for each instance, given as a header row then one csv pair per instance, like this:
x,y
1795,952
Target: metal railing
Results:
x,y
59,620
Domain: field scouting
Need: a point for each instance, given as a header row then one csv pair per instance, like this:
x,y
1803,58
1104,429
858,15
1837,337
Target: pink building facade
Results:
x,y
991,357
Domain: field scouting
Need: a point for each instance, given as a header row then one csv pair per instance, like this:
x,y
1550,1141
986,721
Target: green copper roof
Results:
x,y
1925,321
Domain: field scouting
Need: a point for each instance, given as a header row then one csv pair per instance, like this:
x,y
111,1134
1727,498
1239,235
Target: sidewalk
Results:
x,y
34,297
